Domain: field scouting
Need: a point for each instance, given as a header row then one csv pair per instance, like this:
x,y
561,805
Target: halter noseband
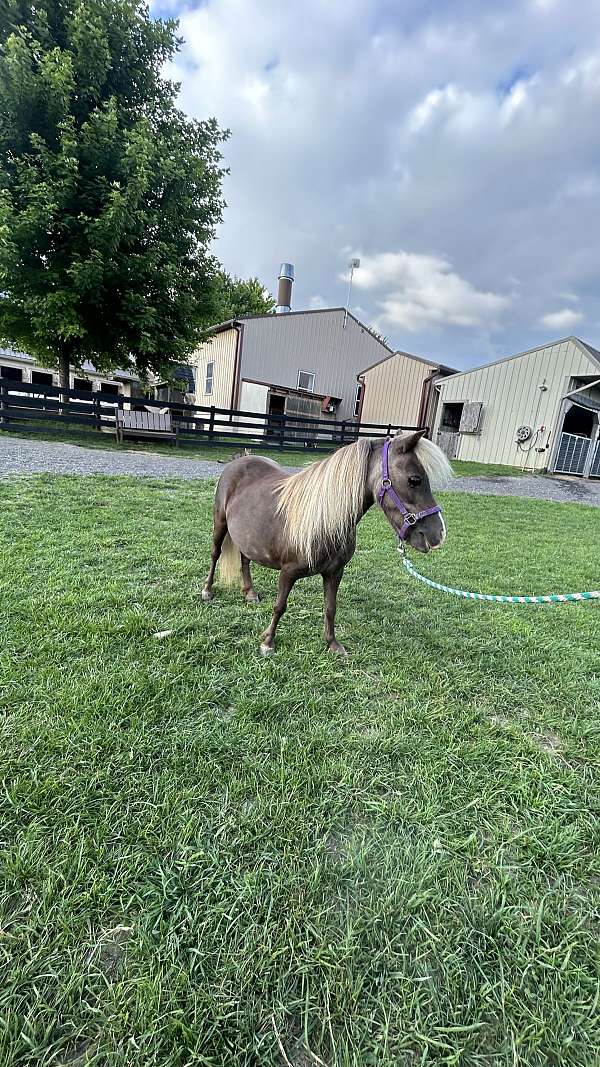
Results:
x,y
410,517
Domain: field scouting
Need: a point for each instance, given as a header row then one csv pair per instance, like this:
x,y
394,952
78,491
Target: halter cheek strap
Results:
x,y
386,488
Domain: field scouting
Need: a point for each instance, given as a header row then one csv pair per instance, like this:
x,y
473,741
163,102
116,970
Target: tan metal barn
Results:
x,y
539,410
400,390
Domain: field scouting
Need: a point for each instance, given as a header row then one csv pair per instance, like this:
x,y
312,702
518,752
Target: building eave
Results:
x,y
409,355
527,352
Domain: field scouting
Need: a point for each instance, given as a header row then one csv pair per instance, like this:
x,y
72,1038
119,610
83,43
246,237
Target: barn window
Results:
x,y
13,374
357,399
208,383
451,416
306,381
41,377
579,421
110,388
82,384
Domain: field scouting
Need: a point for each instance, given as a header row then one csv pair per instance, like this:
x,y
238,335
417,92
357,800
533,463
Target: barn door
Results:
x,y
448,443
302,406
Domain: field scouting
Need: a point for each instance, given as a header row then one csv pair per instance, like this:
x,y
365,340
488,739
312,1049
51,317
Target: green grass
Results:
x,y
468,467
210,858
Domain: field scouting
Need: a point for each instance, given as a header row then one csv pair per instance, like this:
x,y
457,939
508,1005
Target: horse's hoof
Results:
x,y
267,650
252,598
338,649
207,594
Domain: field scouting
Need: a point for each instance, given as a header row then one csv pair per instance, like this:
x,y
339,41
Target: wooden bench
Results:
x,y
145,424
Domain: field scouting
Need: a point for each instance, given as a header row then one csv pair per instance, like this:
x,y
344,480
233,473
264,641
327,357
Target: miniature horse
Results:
x,y
305,523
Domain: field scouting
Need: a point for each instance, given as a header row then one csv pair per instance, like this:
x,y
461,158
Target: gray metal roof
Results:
x,y
409,355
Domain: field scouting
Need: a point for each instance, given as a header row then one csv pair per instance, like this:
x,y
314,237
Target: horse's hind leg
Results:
x,y
248,589
219,532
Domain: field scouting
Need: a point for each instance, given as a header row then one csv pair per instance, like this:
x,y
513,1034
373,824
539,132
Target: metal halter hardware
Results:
x,y
385,487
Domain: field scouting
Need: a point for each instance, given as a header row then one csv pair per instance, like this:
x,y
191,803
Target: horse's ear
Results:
x,y
408,441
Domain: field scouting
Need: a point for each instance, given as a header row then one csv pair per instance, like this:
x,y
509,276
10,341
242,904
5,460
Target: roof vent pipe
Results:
x,y
284,289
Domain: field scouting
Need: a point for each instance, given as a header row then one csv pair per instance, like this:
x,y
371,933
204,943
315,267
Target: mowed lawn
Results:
x,y
214,859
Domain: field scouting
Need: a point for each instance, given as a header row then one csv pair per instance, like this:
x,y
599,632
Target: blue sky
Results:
x,y
453,145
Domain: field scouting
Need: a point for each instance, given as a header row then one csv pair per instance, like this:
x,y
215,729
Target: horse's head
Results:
x,y
405,493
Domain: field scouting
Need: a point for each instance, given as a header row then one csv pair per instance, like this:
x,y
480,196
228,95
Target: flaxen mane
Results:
x,y
322,504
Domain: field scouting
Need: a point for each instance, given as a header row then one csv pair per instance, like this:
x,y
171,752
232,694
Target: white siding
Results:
x,y
253,397
393,390
276,347
509,392
220,350
28,368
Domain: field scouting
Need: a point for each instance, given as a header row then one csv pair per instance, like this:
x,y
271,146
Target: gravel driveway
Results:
x,y
32,456
20,455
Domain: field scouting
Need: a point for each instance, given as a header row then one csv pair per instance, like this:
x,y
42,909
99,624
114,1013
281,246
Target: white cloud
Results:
x,y
417,291
465,127
317,302
561,320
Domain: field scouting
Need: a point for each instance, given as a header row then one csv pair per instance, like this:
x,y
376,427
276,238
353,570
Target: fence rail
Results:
x,y
32,408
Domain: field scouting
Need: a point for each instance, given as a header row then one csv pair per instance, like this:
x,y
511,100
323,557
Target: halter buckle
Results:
x,y
411,519
386,483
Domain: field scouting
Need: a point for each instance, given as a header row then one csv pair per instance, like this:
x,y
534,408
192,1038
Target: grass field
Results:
x,y
222,453
214,859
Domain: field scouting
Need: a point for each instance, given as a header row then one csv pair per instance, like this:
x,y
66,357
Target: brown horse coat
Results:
x,y
305,523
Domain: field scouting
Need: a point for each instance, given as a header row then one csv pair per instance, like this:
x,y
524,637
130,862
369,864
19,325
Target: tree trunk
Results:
x,y
64,368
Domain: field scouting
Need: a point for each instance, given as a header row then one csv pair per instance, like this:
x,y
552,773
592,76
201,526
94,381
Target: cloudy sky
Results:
x,y
453,145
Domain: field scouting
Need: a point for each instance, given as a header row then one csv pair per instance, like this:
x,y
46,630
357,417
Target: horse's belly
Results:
x,y
251,531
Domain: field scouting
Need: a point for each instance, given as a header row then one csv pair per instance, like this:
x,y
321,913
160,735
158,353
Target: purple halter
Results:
x,y
410,517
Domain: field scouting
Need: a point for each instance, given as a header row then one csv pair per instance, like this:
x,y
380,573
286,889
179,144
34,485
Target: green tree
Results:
x,y
233,297
109,194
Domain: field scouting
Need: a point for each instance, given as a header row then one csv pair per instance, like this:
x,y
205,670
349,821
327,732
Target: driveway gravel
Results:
x,y
23,456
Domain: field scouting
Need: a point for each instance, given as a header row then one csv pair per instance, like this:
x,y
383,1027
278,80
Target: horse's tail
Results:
x,y
229,562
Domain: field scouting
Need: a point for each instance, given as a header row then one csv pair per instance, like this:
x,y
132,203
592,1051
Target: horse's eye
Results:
x,y
415,479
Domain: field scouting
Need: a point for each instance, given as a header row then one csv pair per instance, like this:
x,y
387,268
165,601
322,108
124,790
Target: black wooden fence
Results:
x,y
36,409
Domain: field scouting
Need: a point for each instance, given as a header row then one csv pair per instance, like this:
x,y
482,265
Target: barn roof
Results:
x,y
592,353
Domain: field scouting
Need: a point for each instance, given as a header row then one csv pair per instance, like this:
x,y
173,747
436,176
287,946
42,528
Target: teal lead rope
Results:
x,y
552,598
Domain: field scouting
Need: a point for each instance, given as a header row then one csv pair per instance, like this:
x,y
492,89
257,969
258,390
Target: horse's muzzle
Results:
x,y
428,534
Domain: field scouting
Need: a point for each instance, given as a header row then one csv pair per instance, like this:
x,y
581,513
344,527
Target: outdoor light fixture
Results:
x,y
353,265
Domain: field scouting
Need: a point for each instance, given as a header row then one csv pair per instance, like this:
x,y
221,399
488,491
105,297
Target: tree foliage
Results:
x,y
233,297
109,194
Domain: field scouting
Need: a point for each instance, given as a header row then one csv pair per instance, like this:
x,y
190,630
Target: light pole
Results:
x,y
353,264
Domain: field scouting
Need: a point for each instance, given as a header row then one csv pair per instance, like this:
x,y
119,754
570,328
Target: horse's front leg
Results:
x,y
287,578
331,584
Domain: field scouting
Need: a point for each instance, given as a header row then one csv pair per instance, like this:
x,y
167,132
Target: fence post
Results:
x,y
96,411
282,432
343,434
3,405
211,425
